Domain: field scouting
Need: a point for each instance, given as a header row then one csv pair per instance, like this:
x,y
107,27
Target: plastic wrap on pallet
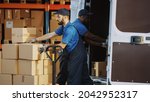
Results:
x,y
76,5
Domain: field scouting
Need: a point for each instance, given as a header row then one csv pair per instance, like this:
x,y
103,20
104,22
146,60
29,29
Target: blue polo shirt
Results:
x,y
69,36
80,27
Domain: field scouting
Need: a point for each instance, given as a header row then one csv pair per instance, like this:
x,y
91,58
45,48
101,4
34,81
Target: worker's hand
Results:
x,y
33,40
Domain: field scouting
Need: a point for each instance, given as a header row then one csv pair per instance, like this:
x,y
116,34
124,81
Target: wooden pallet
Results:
x,y
59,1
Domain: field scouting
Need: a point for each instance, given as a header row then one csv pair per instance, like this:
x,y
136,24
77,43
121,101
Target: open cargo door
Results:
x,y
129,42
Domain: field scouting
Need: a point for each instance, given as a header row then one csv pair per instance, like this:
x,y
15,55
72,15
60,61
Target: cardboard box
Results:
x,y
30,51
1,16
0,33
37,18
43,80
48,67
39,31
8,25
0,62
16,14
27,67
53,25
25,80
25,13
5,79
21,23
8,14
10,51
9,66
100,69
23,34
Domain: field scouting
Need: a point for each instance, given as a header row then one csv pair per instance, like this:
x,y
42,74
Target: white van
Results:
x,y
126,26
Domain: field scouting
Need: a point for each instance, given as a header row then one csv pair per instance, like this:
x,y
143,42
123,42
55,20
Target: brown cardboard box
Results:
x,y
0,33
30,51
8,14
53,16
8,25
43,79
53,26
27,67
21,23
1,15
48,67
39,31
10,51
0,62
25,80
16,14
5,79
37,18
25,13
100,69
23,34
9,66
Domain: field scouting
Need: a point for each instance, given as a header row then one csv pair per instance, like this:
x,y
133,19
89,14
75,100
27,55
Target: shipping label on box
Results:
x,y
9,66
25,80
6,79
9,24
10,51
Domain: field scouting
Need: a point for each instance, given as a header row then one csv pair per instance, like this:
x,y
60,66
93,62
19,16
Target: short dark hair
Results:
x,y
63,12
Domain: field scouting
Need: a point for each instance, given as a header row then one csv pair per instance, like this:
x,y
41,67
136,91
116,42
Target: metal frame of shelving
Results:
x,y
47,7
34,6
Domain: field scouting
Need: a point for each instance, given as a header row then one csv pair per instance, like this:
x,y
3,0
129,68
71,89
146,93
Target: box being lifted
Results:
x,y
23,34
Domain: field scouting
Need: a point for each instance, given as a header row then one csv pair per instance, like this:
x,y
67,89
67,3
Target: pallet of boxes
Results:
x,y
22,64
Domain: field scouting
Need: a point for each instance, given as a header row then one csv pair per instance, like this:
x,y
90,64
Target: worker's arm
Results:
x,y
93,37
46,36
95,43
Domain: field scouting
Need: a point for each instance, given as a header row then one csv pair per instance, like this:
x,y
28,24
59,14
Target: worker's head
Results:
x,y
83,15
62,16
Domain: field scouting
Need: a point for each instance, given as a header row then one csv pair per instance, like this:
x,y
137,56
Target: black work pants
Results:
x,y
73,67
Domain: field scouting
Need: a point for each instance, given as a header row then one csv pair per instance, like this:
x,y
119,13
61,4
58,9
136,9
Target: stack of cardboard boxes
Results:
x,y
23,18
22,64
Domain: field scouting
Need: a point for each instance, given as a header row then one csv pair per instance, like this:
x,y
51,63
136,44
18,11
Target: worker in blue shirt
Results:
x,y
79,25
74,51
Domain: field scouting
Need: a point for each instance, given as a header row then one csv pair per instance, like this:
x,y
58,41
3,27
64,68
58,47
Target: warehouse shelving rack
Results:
x,y
46,6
